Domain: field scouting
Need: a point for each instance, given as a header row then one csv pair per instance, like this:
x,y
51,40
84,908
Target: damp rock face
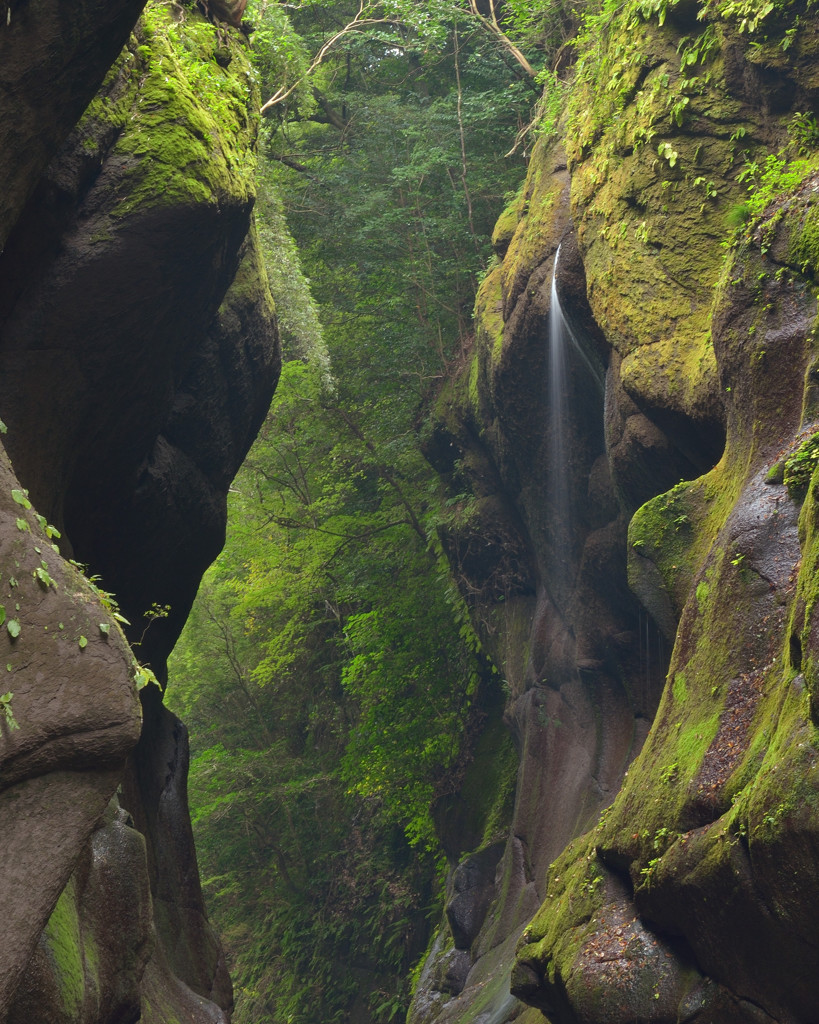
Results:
x,y
659,647
138,355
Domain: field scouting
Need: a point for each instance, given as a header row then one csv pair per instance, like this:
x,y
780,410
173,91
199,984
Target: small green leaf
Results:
x,y
23,526
2,614
8,666
105,628
144,676
5,710
21,497
43,575
3,428
13,626
83,642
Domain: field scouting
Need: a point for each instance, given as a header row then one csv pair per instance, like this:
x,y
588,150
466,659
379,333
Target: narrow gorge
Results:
x,y
503,692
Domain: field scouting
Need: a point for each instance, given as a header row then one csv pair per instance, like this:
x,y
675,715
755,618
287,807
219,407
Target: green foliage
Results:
x,y
6,714
281,55
300,329
804,133
326,687
799,468
21,497
748,15
326,682
105,597
774,177
328,671
611,66
411,227
549,109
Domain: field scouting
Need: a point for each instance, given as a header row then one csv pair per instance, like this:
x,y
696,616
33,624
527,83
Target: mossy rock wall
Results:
x,y
53,58
690,544
713,833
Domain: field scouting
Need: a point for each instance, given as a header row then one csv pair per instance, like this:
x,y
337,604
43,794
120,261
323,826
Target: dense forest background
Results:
x,y
329,674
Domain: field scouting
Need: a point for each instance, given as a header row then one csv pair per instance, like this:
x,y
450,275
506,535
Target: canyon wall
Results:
x,y
138,355
658,644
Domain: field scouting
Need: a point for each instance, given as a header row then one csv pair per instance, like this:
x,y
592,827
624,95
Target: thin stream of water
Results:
x,y
564,349
557,386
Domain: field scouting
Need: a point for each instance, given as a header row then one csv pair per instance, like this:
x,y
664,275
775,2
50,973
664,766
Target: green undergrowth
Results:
x,y
799,467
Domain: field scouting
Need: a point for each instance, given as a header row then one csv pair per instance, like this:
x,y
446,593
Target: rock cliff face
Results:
x,y
138,354
660,648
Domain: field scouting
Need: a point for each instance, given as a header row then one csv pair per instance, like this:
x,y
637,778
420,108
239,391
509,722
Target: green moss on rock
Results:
x,y
799,467
184,124
65,947
506,225
650,197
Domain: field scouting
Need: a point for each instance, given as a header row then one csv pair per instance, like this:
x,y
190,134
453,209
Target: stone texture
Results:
x,y
74,699
139,352
89,961
156,790
53,58
693,526
473,883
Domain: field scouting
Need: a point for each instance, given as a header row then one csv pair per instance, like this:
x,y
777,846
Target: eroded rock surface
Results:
x,y
53,58
689,548
138,354
74,702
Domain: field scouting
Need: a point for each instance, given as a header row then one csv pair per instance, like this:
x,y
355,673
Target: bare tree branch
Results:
x,y
359,21
492,25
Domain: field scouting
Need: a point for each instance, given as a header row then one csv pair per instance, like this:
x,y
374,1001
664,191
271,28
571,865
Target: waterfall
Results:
x,y
559,440
558,489
564,350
